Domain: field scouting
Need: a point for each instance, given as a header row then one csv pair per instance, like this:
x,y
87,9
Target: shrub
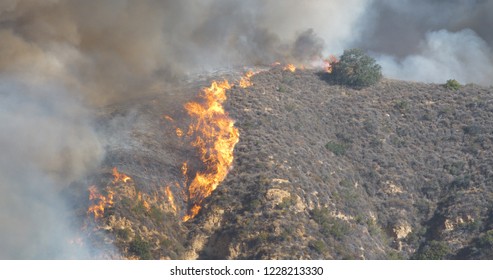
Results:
x,y
356,69
318,246
486,241
452,85
339,149
140,248
123,233
330,226
435,250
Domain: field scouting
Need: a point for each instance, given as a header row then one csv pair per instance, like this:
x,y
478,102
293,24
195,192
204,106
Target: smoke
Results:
x,y
444,55
431,41
46,142
62,60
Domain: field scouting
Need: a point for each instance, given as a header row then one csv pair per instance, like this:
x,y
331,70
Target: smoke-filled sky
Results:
x,y
60,60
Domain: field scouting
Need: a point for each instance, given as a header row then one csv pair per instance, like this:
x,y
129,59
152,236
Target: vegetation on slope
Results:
x,y
395,170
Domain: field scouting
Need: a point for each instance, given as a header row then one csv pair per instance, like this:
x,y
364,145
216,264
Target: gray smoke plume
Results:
x,y
444,55
431,41
61,60
46,142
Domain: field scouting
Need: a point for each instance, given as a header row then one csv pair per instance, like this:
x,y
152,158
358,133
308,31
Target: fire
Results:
x,y
142,199
329,62
100,202
184,171
168,118
192,213
245,80
171,198
215,138
179,132
119,176
290,67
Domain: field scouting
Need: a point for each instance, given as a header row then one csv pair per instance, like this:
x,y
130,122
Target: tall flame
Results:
x,y
215,137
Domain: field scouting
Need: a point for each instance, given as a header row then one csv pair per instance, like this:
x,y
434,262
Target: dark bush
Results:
x,y
339,149
318,246
140,248
356,69
434,250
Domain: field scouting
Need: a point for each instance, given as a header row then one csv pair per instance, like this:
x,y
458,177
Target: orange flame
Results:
x,y
329,62
184,171
192,212
144,201
119,176
171,198
290,67
179,132
100,202
166,117
245,80
215,138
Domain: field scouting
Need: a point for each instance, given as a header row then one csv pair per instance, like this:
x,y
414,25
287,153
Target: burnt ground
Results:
x,y
396,170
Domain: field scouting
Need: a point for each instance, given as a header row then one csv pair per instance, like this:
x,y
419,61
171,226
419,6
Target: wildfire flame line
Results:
x,y
119,177
100,202
215,138
245,80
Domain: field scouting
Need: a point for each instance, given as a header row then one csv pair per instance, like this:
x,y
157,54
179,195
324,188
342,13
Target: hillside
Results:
x,y
321,171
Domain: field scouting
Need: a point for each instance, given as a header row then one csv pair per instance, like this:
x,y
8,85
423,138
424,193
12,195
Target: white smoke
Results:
x,y
444,55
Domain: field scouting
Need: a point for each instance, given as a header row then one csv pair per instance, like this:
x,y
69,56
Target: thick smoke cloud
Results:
x,y
445,55
112,49
46,142
61,60
431,41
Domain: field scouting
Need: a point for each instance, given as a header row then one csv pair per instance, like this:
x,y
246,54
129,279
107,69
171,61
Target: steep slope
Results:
x,y
397,170
321,171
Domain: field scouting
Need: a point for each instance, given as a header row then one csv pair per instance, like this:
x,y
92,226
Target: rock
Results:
x,y
276,196
402,230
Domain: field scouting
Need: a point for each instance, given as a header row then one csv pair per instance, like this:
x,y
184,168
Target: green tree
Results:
x,y
356,69
452,84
